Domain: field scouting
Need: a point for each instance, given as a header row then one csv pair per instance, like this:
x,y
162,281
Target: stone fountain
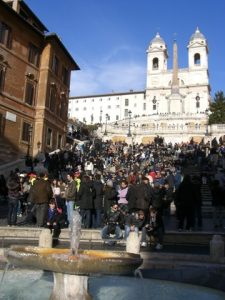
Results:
x,y
71,267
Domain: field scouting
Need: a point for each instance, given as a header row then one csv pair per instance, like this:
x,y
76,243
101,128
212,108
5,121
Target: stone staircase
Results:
x,y
206,200
90,237
8,152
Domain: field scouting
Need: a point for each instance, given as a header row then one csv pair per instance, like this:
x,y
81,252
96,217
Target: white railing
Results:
x,y
220,128
156,130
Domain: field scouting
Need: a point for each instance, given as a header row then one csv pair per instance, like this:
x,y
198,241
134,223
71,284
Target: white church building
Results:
x,y
174,105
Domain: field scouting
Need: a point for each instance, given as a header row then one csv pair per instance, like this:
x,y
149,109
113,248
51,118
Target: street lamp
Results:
x,y
106,119
129,116
28,161
100,119
30,130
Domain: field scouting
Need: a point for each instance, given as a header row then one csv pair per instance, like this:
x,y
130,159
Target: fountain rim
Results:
x,y
84,263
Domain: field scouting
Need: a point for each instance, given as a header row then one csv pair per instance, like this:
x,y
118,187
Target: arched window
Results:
x,y
197,59
155,63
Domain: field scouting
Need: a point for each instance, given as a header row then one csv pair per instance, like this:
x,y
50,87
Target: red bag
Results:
x,y
59,210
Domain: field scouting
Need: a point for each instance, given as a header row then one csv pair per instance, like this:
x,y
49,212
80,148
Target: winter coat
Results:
x,y
185,196
122,195
131,196
113,217
70,193
98,199
218,195
143,196
157,198
13,186
110,196
41,191
85,196
52,216
168,197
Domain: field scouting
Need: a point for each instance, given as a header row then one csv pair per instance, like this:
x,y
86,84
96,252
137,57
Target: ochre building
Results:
x,y
35,69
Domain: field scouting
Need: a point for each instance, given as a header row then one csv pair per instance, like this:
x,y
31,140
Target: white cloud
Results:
x,y
117,71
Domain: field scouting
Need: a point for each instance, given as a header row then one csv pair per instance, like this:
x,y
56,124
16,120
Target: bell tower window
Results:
x,y
197,59
155,63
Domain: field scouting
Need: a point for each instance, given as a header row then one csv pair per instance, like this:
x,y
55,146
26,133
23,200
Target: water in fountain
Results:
x,y
138,273
26,284
3,275
75,232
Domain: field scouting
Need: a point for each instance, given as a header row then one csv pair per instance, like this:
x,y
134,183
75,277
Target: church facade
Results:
x,y
174,104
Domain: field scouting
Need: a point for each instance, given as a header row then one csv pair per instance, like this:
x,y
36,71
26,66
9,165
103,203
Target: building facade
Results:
x,y
176,98
35,70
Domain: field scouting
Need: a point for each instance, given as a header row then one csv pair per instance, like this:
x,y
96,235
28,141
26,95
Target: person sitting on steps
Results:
x,y
112,224
154,228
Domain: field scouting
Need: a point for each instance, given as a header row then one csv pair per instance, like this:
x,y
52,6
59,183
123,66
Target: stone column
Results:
x,y
45,238
70,287
133,243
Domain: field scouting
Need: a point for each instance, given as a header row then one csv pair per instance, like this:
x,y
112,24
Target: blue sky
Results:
x,y
108,38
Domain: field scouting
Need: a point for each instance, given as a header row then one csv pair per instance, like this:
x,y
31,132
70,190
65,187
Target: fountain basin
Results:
x,y
86,262
29,284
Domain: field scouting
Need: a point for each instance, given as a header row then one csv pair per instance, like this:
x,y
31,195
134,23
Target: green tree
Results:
x,y
217,108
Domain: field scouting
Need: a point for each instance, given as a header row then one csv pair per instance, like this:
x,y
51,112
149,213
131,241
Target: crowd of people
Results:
x,y
119,188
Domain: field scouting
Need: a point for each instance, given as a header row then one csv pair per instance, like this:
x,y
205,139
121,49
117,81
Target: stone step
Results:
x,y
94,236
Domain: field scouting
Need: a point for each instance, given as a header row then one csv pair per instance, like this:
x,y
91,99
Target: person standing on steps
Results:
x,y
13,186
70,194
185,200
40,194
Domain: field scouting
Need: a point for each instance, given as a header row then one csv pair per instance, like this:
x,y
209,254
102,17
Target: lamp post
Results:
x,y
106,120
30,130
28,161
100,119
129,118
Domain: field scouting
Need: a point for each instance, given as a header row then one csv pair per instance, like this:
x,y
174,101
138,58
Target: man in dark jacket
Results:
x,y
41,193
143,195
110,196
85,197
70,194
185,199
112,223
98,202
157,198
